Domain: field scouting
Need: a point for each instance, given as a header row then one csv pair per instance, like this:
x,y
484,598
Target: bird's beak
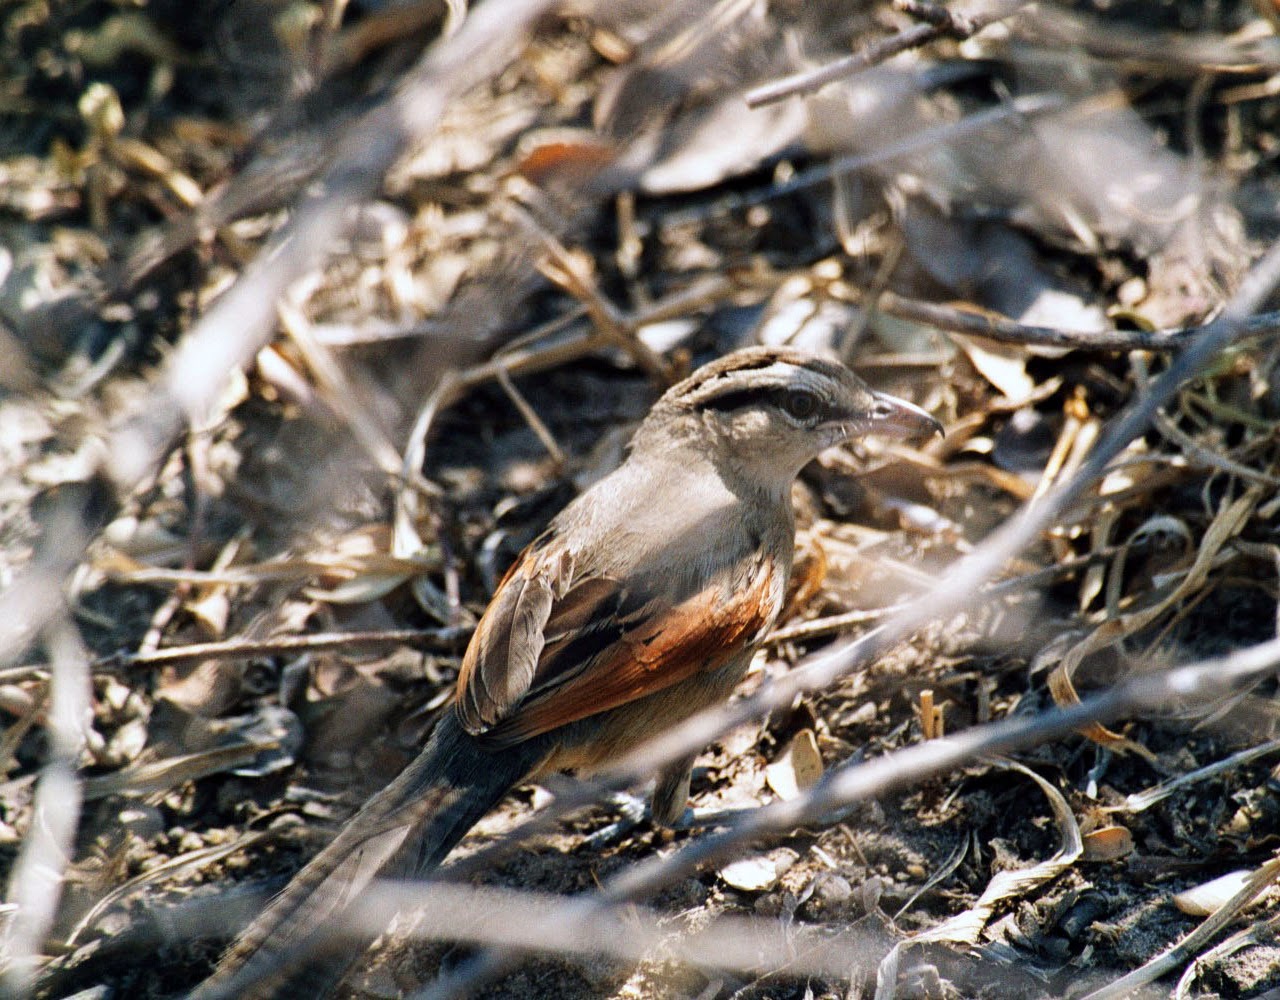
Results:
x,y
894,417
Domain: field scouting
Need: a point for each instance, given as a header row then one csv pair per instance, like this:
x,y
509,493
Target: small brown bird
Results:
x,y
641,604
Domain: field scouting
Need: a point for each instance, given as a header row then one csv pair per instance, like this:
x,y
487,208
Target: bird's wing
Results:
x,y
556,646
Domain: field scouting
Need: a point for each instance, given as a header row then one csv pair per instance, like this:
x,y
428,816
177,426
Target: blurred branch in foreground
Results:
x,y
952,594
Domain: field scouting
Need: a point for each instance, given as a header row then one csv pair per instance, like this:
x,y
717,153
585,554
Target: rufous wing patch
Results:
x,y
658,649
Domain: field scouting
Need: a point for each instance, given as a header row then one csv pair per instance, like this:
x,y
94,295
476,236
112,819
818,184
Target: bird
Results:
x,y
640,604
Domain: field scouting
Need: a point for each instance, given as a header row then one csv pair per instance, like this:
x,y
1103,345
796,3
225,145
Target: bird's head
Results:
x,y
767,411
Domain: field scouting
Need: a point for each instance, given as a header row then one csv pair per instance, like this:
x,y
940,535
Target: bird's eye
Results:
x,y
799,404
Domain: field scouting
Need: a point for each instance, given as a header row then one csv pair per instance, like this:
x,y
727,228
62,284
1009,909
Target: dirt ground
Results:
x,y
600,213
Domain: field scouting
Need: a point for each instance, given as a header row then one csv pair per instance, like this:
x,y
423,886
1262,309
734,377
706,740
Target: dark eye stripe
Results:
x,y
782,399
740,399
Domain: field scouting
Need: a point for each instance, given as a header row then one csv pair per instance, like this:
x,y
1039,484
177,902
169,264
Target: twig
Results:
x,y
864,781
944,872
953,593
922,140
1006,331
540,429
160,776
287,570
165,869
1189,947
339,393
35,596
229,335
1165,54
568,272
35,883
1206,457
946,23
861,781
1261,932
451,387
235,328
1027,582
950,22
1140,801
15,732
238,648
831,624
491,916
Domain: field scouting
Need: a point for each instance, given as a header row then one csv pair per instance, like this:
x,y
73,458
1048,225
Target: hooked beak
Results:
x,y
890,416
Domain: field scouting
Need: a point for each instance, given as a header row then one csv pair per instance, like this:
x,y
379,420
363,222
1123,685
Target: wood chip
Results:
x,y
1201,900
1107,843
799,767
750,874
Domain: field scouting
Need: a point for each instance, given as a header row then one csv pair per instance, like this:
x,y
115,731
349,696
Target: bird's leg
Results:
x,y
671,793
669,806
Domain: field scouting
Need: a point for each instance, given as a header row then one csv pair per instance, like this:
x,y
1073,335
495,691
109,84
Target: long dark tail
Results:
x,y
404,831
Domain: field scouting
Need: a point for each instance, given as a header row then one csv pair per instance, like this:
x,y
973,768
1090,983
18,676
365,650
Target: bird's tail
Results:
x,y
405,830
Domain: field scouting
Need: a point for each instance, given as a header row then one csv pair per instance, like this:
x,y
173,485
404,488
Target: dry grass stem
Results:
x,y
1191,946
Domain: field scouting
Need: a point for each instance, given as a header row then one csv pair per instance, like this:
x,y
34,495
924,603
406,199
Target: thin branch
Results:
x,y
1140,801
339,392
574,277
1190,946
433,638
949,24
1017,586
486,915
816,628
530,415
861,781
1261,933
35,883
952,594
236,327
1206,457
1006,331
1017,110
864,781
229,335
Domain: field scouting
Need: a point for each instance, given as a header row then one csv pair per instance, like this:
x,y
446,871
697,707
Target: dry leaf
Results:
x,y
758,873
361,568
799,767
1204,899
1004,367
1226,525
1107,843
142,539
750,874
212,611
